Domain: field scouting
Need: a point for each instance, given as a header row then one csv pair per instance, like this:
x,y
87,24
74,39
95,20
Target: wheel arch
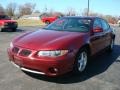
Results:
x,y
47,21
87,47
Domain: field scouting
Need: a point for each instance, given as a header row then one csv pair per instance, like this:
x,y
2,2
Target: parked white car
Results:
x,y
118,23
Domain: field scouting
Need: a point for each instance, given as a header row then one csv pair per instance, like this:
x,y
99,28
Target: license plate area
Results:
x,y
17,60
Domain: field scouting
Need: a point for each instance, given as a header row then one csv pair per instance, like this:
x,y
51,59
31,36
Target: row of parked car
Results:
x,y
7,23
63,46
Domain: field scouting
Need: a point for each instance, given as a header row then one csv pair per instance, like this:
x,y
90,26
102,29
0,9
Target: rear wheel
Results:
x,y
111,46
14,29
81,61
1,29
47,22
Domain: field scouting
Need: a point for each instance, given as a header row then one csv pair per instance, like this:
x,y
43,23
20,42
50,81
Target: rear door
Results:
x,y
107,33
97,39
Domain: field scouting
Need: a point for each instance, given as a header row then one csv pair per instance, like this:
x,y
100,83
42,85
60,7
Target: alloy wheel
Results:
x,y
82,61
112,44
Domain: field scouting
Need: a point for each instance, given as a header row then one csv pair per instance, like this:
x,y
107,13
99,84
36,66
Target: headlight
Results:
x,y
11,45
53,53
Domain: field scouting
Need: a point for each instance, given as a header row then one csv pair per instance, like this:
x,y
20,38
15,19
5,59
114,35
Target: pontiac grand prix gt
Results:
x,y
63,46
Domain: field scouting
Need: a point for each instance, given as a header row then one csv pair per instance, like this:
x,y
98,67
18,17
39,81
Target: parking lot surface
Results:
x,y
103,73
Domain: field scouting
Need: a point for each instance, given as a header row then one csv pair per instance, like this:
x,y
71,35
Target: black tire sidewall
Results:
x,y
109,47
14,30
1,30
75,68
47,22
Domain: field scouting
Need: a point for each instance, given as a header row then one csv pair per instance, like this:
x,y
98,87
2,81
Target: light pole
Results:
x,y
88,8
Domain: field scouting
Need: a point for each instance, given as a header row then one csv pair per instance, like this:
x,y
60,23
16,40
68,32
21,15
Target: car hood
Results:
x,y
7,21
46,39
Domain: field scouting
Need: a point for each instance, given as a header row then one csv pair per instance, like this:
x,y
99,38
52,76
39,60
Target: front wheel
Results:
x,y
81,61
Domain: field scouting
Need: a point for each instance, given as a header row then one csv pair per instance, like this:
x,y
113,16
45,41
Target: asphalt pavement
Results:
x,y
103,73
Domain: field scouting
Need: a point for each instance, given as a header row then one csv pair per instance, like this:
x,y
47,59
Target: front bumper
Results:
x,y
28,70
44,66
9,26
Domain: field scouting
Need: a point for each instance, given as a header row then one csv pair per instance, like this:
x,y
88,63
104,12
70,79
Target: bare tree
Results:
x,y
26,9
85,12
51,12
70,12
91,13
37,11
2,11
58,14
10,10
110,19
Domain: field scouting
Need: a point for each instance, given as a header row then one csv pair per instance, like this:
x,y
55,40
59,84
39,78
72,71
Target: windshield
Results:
x,y
4,17
70,24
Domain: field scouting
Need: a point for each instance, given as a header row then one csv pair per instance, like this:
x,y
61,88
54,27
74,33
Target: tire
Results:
x,y
81,61
14,30
1,29
111,46
47,22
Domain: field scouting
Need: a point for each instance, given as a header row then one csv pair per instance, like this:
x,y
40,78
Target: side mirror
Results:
x,y
97,30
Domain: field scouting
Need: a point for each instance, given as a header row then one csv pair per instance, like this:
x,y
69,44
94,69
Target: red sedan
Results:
x,y
7,23
49,20
63,46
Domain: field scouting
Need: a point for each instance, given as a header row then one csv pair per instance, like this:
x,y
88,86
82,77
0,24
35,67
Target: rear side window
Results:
x,y
105,25
97,23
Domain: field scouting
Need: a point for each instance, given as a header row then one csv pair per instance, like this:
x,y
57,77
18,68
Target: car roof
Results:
x,y
84,17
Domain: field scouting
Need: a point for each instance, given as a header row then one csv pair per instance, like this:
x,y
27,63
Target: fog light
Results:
x,y
53,70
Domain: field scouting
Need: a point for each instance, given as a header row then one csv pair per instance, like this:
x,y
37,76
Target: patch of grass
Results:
x,y
26,22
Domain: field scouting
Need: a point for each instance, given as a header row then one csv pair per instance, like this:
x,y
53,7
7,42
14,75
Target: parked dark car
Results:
x,y
63,46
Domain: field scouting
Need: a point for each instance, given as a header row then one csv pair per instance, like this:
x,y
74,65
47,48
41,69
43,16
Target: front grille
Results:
x,y
25,53
21,51
10,23
15,50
